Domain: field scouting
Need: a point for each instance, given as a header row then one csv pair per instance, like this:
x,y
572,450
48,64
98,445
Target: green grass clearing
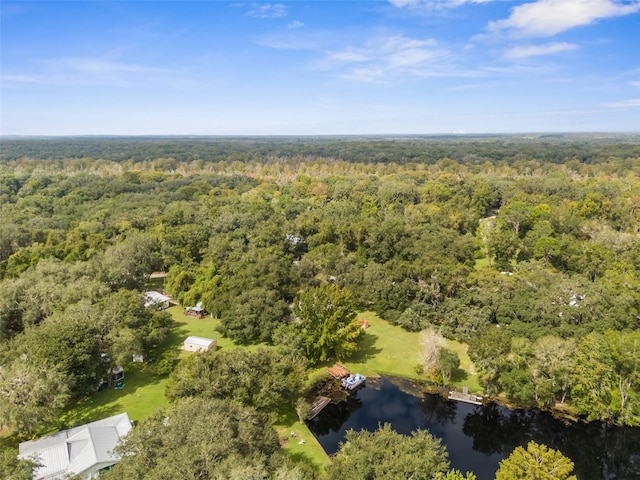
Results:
x,y
386,350
466,375
144,390
310,451
482,263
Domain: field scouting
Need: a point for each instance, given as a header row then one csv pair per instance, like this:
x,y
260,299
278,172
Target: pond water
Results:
x,y
478,437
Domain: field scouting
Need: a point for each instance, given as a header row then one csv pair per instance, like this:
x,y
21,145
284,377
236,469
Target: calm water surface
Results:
x,y
478,437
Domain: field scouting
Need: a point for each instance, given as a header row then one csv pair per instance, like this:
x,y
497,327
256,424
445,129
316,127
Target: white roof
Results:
x,y
152,297
200,341
78,449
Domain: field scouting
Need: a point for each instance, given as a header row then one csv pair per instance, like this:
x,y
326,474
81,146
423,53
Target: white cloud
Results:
x,y
267,10
550,17
633,102
635,84
403,3
524,51
17,79
295,24
434,4
387,58
96,66
68,71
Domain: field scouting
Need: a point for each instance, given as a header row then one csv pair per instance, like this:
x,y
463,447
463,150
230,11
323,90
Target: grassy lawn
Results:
x,y
482,263
386,350
390,350
466,375
144,390
142,395
310,450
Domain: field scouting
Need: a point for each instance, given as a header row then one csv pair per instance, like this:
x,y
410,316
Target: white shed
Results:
x,y
199,344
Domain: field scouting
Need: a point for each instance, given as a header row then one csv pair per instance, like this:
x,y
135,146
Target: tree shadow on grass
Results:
x,y
459,375
80,416
367,348
111,401
299,457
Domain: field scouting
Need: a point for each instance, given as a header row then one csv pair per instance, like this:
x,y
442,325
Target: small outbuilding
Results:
x,y
199,344
153,299
117,374
198,311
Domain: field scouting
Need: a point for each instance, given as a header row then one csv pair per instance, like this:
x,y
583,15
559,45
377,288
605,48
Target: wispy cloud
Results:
x,y
68,71
635,84
267,10
525,51
550,17
631,103
9,80
387,58
434,4
96,66
295,24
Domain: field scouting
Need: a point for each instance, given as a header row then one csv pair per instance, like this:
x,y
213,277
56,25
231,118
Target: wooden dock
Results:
x,y
338,371
465,397
317,406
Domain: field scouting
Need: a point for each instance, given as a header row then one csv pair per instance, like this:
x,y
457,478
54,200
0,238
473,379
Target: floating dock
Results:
x,y
465,397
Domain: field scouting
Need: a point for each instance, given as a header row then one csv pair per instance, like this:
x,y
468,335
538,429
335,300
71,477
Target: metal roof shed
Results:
x,y
198,344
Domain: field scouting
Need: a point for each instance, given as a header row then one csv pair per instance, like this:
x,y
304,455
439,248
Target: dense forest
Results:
x,y
526,249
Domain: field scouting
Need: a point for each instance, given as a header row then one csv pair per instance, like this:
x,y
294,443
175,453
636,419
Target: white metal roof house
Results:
x,y
83,450
156,299
198,344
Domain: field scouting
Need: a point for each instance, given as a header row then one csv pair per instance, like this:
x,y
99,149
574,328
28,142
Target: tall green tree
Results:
x,y
488,350
31,395
265,379
199,438
69,341
13,468
606,377
387,455
326,321
536,462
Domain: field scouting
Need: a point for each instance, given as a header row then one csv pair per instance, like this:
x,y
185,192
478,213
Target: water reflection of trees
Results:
x,y
334,416
598,450
437,410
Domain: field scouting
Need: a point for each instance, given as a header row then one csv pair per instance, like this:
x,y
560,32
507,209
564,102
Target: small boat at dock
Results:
x,y
353,381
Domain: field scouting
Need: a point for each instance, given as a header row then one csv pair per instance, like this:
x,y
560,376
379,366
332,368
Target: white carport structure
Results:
x,y
156,300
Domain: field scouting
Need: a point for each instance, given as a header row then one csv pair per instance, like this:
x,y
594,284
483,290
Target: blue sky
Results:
x,y
314,68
